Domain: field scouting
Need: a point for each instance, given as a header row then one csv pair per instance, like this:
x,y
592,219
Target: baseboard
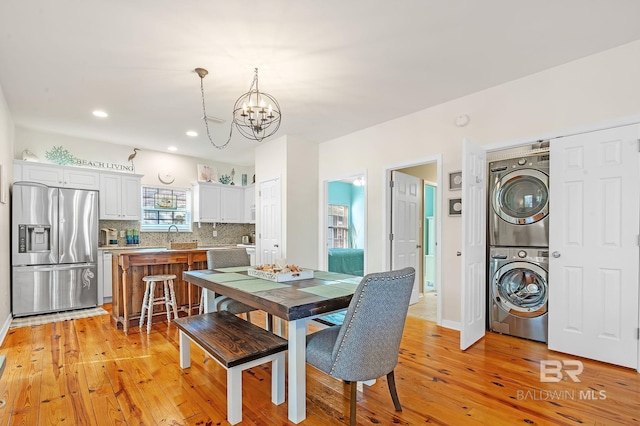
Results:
x,y
453,325
5,328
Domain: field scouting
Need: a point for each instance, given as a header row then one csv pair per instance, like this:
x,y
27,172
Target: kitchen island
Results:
x,y
131,265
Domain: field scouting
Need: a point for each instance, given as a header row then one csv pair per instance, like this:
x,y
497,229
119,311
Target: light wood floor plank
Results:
x,y
86,372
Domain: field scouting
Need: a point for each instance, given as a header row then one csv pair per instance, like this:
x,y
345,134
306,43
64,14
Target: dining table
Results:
x,y
295,301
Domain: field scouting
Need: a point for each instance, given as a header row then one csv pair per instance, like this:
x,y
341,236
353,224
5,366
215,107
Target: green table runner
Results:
x,y
243,282
331,290
253,285
233,269
224,278
332,276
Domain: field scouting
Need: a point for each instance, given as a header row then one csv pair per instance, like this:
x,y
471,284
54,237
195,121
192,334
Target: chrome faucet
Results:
x,y
169,231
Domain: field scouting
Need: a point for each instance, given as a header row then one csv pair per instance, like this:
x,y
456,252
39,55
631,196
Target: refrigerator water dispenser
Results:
x,y
34,238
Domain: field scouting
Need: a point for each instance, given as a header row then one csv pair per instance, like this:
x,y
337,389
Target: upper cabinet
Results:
x,y
119,192
231,204
54,175
120,196
214,202
206,202
250,204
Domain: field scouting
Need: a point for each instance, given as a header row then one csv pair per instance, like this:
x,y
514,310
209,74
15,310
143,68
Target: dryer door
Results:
x,y
521,289
522,197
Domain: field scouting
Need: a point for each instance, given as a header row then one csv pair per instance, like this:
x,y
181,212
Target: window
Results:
x,y
162,207
338,229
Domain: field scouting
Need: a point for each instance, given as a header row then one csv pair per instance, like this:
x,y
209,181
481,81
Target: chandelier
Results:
x,y
256,114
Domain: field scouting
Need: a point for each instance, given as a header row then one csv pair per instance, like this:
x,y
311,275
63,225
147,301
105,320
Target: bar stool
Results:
x,y
148,301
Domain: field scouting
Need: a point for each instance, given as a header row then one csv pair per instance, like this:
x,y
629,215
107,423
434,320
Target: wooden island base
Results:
x,y
130,266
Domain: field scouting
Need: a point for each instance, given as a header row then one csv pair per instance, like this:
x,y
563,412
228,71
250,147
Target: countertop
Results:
x,y
246,245
161,249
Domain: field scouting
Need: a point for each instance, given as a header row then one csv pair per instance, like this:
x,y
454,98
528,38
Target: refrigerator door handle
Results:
x,y
49,268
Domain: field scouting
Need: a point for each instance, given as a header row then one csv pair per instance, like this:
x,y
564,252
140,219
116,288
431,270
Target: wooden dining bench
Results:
x,y
236,345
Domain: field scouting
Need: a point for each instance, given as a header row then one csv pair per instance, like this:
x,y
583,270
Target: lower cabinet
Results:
x,y
105,276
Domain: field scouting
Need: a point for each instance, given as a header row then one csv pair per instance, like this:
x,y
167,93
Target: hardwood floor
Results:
x,y
426,308
84,372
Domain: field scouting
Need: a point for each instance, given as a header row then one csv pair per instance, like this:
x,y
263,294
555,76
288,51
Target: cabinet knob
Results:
x,y
555,254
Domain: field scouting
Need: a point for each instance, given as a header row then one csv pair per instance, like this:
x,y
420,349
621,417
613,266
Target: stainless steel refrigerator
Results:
x,y
54,249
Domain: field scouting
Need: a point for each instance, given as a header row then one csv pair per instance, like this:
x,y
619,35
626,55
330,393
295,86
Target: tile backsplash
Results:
x,y
228,233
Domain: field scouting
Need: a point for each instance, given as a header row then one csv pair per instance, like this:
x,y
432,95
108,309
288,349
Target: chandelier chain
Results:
x,y
206,122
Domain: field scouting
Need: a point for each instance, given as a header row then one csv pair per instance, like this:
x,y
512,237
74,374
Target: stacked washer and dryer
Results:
x,y
519,246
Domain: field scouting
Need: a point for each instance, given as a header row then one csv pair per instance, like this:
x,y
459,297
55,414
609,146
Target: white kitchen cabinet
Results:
x,y
120,196
213,202
231,204
250,204
206,202
60,176
105,276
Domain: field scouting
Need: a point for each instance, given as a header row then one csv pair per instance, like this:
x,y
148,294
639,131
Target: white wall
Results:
x,y
271,163
303,202
148,163
6,157
581,95
293,160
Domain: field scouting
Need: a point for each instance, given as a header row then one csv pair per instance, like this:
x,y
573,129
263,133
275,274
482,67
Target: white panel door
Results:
x,y
270,222
474,222
593,240
406,224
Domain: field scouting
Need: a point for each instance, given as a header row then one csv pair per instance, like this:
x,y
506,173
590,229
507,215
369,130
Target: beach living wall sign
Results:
x,y
61,156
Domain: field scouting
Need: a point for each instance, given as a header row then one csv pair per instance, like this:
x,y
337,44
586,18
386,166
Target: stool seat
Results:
x,y
149,300
159,277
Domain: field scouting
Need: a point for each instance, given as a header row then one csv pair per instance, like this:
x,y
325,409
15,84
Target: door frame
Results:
x,y
386,218
323,262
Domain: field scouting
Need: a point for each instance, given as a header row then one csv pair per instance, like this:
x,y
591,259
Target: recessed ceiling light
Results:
x,y
192,133
100,114
172,148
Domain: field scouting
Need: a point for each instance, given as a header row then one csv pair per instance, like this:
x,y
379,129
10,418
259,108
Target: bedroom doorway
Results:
x,y
344,225
429,304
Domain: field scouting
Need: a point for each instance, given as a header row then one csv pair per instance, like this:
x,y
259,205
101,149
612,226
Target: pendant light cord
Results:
x,y
206,122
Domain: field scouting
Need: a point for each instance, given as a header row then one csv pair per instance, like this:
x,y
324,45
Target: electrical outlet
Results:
x,y
215,233
121,234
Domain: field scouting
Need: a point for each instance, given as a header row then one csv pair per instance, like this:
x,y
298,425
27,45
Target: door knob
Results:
x,y
555,254
458,253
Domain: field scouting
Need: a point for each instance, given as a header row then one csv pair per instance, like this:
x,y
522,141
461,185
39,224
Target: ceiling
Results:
x,y
334,66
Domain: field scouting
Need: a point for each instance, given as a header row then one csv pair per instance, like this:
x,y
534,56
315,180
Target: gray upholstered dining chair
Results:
x,y
366,345
226,258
